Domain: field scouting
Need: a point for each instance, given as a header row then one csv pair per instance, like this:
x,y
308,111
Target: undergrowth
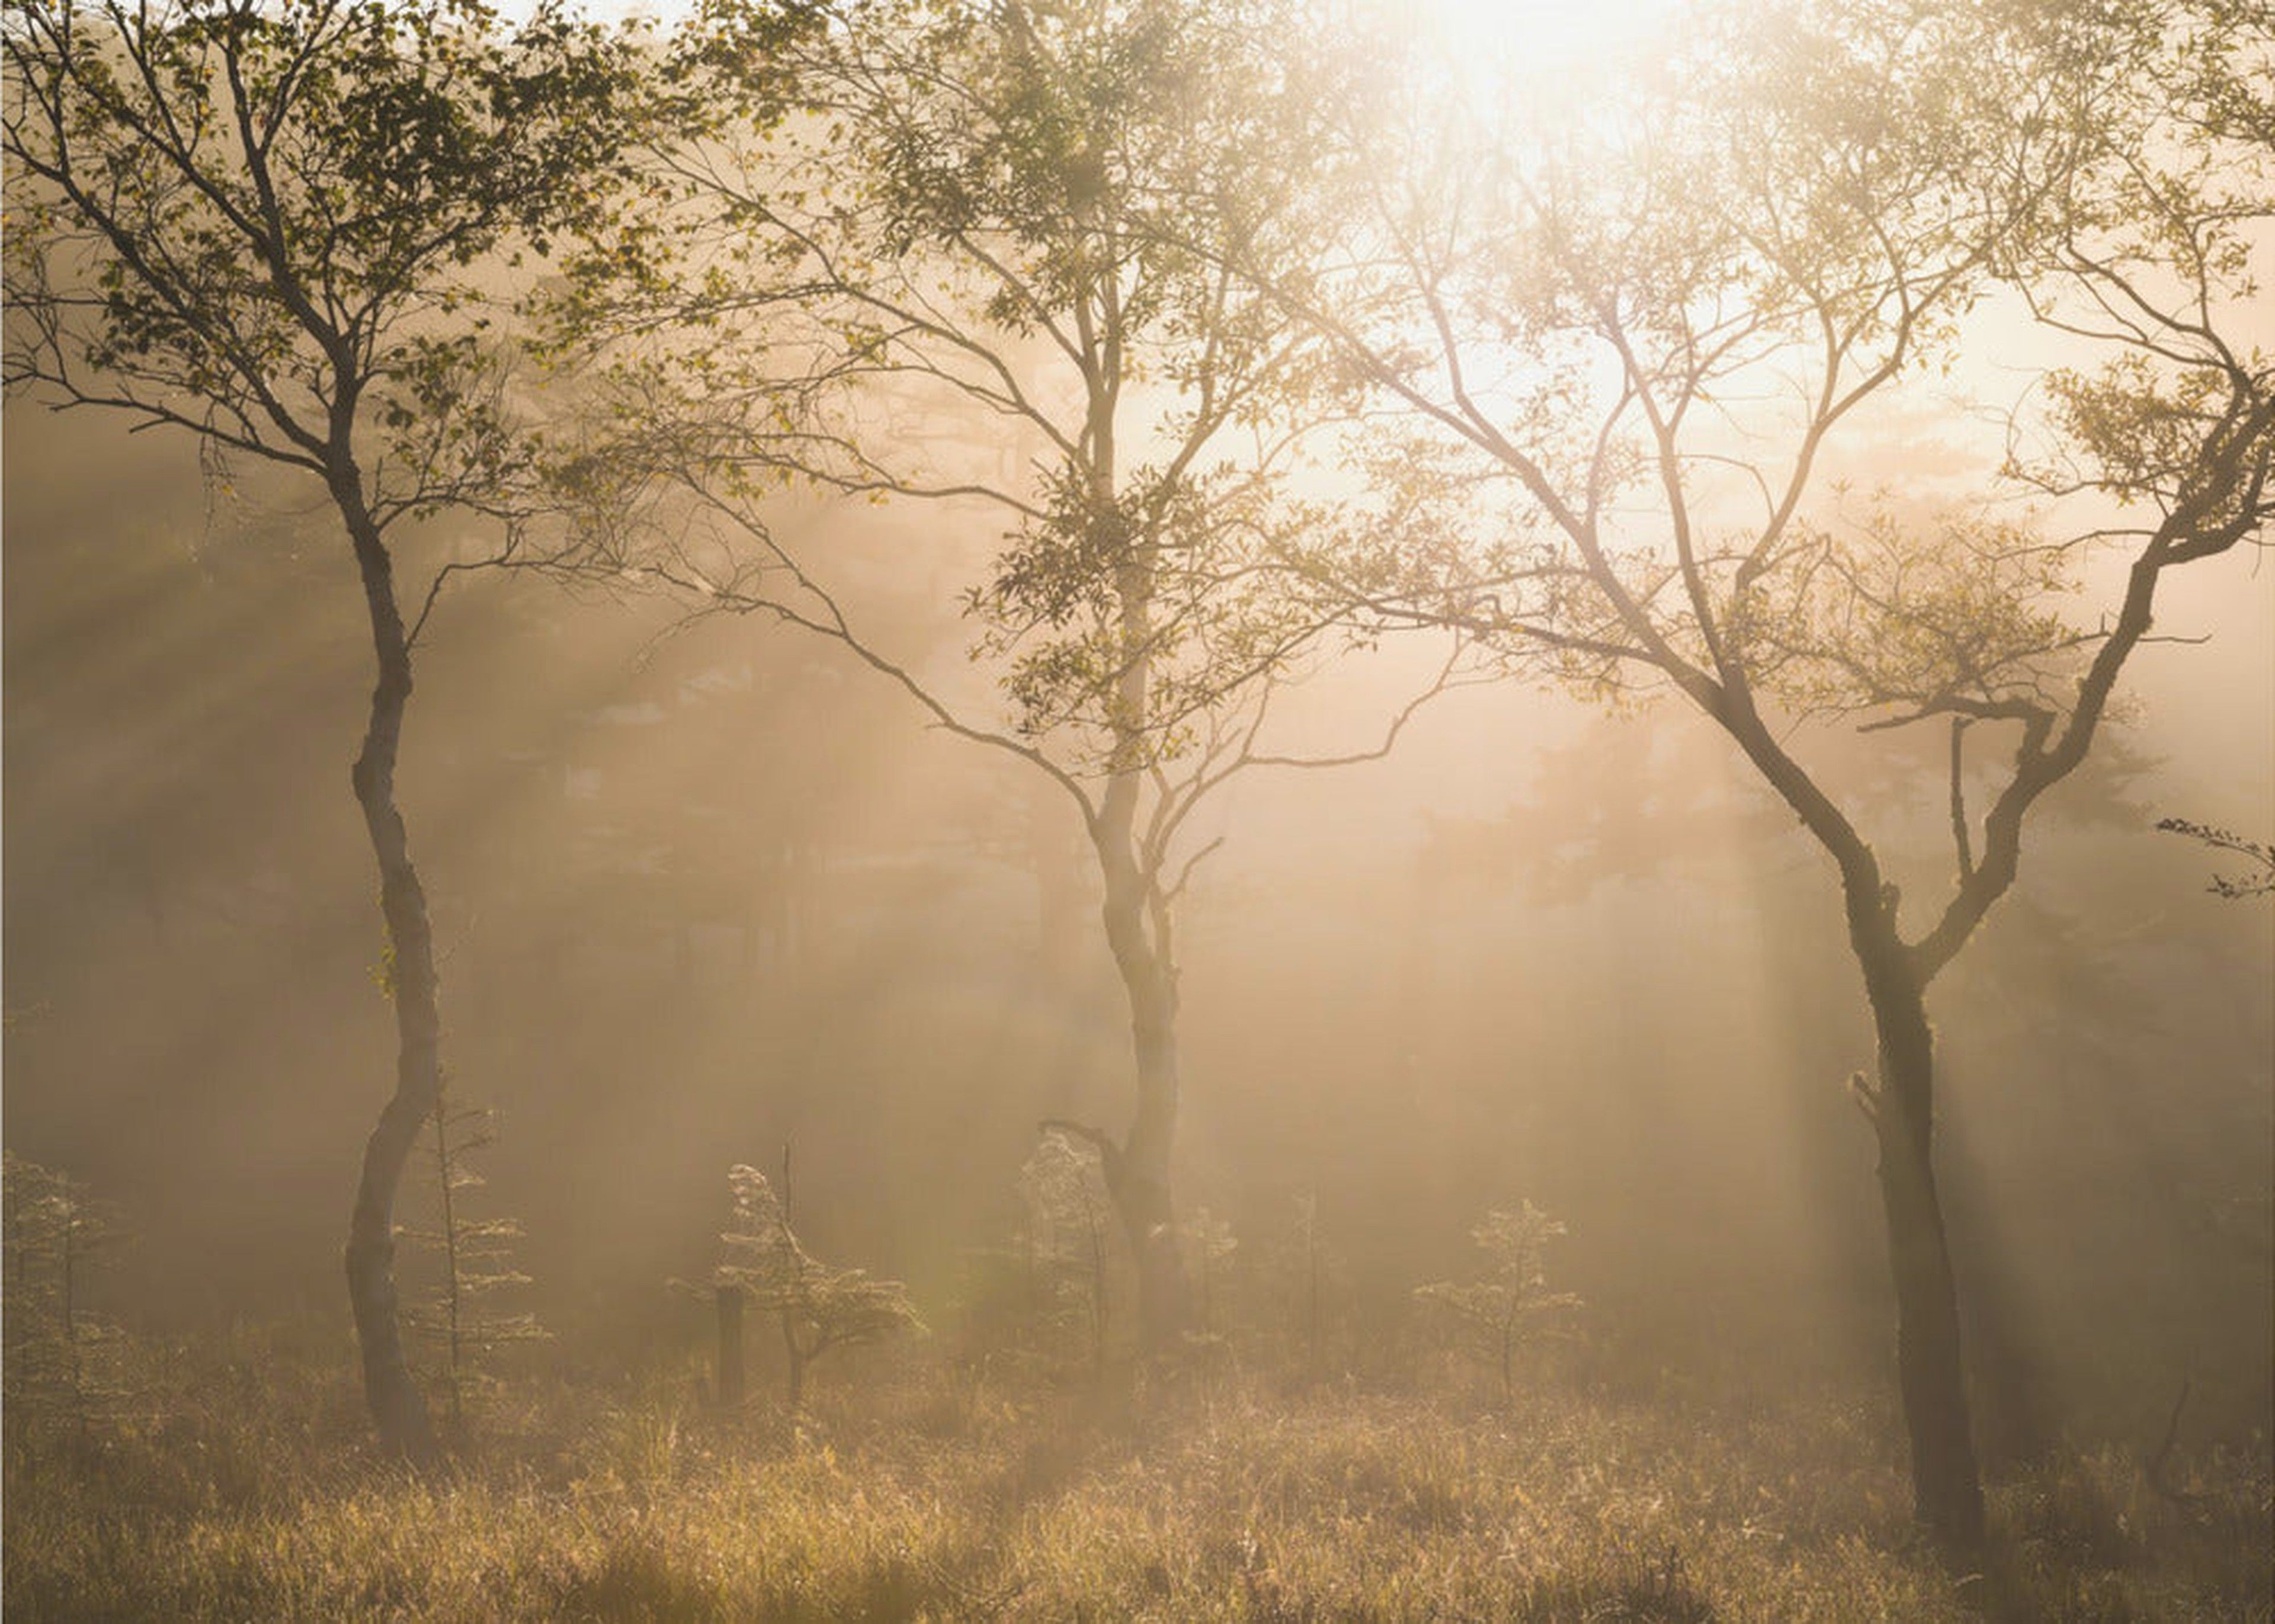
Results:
x,y
249,1494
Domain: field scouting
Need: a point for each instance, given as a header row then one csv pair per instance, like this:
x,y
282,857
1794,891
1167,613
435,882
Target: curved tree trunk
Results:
x,y
1931,1374
1947,1484
397,1407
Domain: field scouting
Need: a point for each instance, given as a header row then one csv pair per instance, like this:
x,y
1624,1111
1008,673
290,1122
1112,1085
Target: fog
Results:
x,y
711,892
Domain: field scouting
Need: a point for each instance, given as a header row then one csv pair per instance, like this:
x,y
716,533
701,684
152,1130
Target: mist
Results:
x,y
710,891
1104,813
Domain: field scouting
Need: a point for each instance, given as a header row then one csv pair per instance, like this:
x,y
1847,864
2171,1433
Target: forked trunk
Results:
x,y
1947,1484
397,1407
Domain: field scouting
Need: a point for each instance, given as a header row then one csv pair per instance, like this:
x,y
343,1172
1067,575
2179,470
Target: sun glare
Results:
x,y
1538,41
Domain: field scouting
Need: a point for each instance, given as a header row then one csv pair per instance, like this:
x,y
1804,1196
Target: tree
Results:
x,y
1631,339
475,1255
62,1359
819,1307
268,225
1063,1192
1209,1243
1502,1311
980,213
1302,1270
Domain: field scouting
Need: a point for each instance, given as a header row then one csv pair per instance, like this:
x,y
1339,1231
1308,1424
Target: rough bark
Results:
x,y
1946,1483
397,1407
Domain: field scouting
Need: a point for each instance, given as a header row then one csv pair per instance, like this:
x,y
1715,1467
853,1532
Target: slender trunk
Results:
x,y
794,1309
72,1373
795,1355
1947,1484
11,1215
450,1268
1311,1298
397,1407
1138,1177
1098,1312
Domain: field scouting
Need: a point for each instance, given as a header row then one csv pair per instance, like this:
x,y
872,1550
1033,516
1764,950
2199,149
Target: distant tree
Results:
x,y
269,226
1629,341
1509,1307
2256,880
475,1258
1209,1244
817,1307
1302,1271
1068,1211
61,1362
958,280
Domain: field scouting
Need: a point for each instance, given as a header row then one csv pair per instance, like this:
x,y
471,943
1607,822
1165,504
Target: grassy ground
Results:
x,y
250,1497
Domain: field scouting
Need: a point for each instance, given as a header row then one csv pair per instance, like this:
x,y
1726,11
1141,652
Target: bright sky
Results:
x,y
1546,34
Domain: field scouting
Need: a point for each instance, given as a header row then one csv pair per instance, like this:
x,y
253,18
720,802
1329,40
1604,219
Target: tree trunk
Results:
x,y
1947,1485
1138,1177
397,1407
729,1302
442,1171
794,1357
1311,1297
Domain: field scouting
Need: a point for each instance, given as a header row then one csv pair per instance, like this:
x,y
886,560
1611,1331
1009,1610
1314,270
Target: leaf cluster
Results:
x,y
275,224
987,262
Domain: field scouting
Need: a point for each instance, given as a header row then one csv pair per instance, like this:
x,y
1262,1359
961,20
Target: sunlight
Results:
x,y
908,847
1521,40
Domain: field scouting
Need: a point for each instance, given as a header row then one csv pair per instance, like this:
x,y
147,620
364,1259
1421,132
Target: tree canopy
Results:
x,y
984,261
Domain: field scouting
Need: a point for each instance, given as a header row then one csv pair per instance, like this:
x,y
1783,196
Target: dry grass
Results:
x,y
249,1496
